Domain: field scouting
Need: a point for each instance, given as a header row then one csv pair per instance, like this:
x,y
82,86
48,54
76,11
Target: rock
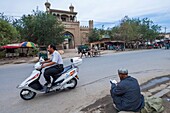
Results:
x,y
127,112
147,93
163,86
157,88
168,95
161,93
168,83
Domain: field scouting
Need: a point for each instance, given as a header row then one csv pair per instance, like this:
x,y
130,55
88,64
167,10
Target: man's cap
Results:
x,y
122,71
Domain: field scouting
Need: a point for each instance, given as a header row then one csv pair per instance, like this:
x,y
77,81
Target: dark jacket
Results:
x,y
126,95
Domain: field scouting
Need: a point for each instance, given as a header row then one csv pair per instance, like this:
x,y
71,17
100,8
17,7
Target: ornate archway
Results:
x,y
84,38
69,40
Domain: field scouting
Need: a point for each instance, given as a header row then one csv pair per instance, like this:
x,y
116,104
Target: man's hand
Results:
x,y
47,61
113,81
47,64
42,63
42,66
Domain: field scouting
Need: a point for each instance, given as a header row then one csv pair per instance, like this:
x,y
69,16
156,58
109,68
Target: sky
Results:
x,y
102,12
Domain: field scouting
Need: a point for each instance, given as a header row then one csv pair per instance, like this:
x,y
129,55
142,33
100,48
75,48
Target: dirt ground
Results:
x,y
105,104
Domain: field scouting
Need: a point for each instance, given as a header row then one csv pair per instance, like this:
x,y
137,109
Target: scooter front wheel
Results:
x,y
27,94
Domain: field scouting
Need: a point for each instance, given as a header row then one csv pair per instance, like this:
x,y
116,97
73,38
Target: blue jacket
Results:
x,y
126,95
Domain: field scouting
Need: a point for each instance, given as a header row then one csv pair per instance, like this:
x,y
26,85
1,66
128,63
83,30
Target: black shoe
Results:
x,y
47,84
47,90
44,89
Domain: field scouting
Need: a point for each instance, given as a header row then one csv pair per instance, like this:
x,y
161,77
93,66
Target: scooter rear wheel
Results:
x,y
27,94
73,81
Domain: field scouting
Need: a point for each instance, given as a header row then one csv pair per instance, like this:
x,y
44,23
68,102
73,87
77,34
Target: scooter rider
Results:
x,y
54,65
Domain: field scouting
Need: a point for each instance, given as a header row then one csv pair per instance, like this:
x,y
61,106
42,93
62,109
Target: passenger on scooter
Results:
x,y
54,65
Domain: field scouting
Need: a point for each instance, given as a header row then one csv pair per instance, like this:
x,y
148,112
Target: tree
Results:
x,y
6,18
40,28
149,30
94,35
136,29
8,33
114,33
129,29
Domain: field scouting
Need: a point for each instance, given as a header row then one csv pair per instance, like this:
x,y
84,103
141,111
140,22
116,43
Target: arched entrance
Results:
x,y
69,40
84,38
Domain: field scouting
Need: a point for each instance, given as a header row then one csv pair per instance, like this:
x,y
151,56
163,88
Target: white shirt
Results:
x,y
56,57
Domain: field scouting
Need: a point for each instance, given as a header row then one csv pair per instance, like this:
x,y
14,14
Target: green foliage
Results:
x,y
2,54
40,28
128,30
33,52
114,33
6,18
8,33
136,29
149,30
94,35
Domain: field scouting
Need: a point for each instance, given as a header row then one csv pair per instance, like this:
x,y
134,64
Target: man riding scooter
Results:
x,y
54,65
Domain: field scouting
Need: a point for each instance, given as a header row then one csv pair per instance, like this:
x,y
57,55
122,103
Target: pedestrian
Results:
x,y
126,94
96,48
83,52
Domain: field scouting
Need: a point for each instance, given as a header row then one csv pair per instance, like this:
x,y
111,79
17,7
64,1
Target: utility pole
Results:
x,y
37,9
165,33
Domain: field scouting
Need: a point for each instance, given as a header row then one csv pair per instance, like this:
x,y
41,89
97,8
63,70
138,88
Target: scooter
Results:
x,y
65,80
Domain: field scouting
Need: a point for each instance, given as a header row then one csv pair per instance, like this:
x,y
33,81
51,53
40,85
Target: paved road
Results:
x,y
93,84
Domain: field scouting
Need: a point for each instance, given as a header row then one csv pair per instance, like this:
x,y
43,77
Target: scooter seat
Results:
x,y
65,69
58,75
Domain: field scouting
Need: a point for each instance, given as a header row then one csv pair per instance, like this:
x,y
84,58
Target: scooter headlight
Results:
x,y
20,86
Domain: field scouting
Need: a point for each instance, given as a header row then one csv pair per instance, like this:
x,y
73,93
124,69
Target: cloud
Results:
x,y
99,10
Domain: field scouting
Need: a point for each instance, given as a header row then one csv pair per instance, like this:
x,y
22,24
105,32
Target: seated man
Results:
x,y
126,94
55,65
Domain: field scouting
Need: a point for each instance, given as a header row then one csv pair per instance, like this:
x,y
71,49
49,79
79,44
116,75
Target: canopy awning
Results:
x,y
11,46
27,44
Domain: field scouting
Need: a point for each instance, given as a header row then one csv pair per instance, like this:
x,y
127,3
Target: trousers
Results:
x,y
52,71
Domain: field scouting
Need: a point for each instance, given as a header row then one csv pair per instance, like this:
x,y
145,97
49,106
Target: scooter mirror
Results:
x,y
71,60
41,59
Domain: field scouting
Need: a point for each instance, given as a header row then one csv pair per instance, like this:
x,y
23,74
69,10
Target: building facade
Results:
x,y
74,33
165,35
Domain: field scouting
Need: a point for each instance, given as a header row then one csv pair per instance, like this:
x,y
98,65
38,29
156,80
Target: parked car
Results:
x,y
149,46
156,45
142,46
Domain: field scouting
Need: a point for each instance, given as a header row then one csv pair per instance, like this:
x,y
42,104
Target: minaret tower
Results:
x,y
47,5
71,8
